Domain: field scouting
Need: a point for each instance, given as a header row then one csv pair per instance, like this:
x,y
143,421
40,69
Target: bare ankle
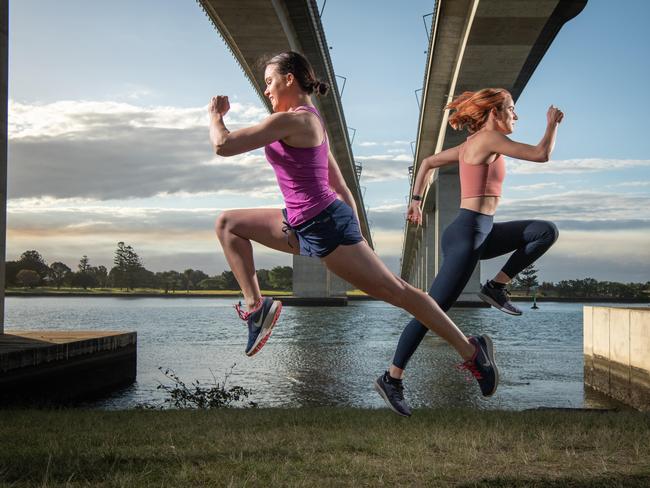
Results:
x,y
253,303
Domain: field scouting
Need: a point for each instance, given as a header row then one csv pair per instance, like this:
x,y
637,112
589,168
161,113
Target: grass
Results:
x,y
146,291
323,447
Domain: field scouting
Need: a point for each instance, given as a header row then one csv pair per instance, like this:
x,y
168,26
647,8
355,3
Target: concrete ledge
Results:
x,y
62,366
617,353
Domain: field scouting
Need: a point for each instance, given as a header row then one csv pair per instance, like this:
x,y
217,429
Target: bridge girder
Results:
x,y
476,44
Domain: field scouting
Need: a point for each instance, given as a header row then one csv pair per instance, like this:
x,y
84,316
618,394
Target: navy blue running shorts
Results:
x,y
336,225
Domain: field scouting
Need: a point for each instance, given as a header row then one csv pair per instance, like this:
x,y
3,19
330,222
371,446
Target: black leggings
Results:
x,y
470,237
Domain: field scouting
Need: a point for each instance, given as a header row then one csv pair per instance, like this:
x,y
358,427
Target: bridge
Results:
x,y
473,44
255,29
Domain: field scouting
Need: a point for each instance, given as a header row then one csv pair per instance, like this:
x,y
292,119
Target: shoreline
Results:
x,y
284,295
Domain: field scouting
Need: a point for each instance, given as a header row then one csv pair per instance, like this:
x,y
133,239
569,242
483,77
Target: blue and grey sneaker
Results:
x,y
482,365
260,323
498,297
392,391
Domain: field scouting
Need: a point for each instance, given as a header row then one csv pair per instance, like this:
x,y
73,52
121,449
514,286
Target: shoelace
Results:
x,y
244,314
471,367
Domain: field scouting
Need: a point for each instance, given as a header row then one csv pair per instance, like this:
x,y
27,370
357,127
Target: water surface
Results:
x,y
327,355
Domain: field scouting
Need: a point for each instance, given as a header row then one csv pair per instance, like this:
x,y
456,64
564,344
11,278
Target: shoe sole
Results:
x,y
267,328
489,349
487,299
380,390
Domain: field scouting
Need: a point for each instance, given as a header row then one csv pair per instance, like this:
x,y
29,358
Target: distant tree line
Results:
x,y
129,273
527,280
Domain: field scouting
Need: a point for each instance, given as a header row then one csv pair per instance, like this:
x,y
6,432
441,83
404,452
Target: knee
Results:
x,y
551,232
396,293
223,224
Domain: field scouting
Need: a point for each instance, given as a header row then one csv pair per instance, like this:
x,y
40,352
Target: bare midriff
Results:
x,y
486,204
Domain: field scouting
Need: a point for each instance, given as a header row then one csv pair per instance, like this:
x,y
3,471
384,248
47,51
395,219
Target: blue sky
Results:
x,y
108,134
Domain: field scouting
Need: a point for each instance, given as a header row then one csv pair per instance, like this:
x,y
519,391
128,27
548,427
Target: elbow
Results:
x,y
542,157
222,150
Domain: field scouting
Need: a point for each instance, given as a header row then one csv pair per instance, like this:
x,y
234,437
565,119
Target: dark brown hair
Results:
x,y
296,64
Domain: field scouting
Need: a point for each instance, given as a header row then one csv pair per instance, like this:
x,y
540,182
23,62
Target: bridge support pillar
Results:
x,y
311,279
447,203
430,248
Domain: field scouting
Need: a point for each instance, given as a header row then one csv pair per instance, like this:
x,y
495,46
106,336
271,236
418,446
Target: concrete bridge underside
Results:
x,y
474,44
255,29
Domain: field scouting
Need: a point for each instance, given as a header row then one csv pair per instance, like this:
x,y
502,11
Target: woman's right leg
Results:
x,y
237,228
360,266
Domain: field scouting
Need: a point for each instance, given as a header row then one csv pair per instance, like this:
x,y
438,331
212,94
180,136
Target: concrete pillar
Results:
x,y
4,93
311,279
430,247
447,204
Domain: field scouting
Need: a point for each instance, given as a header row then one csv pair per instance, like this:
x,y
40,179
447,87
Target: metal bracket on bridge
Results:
x,y
344,81
418,99
354,133
322,8
426,28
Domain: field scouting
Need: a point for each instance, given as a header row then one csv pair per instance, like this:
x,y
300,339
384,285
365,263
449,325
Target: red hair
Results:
x,y
473,108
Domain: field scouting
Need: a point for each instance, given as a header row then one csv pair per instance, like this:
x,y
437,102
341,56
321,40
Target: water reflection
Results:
x,y
329,356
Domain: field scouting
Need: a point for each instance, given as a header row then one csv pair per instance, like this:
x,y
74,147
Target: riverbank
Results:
x,y
351,295
323,447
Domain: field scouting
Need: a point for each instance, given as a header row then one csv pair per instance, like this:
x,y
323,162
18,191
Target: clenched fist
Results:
x,y
219,105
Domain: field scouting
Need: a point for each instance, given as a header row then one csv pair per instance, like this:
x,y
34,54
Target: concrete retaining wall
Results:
x,y
617,353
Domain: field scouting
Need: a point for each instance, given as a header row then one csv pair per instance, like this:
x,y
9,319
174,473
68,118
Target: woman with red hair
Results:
x,y
489,116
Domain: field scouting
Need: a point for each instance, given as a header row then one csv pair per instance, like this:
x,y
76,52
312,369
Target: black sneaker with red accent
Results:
x,y
260,321
482,365
497,295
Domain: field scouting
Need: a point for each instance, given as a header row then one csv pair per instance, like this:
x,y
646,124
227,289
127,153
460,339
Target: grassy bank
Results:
x,y
45,290
323,447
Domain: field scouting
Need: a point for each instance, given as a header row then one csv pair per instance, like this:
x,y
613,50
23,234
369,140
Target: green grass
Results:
x,y
149,291
323,447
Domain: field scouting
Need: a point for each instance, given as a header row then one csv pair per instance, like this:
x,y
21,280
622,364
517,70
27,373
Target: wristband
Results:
x,y
417,198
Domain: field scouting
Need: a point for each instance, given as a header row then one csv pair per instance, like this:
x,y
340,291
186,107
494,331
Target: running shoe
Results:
x,y
499,298
260,323
392,391
482,365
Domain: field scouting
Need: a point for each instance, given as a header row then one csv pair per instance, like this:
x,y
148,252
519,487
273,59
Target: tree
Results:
x,y
84,278
127,266
229,281
101,275
34,261
527,278
84,264
59,272
28,277
281,277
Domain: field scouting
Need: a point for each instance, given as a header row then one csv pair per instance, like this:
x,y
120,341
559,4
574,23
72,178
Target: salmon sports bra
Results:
x,y
481,180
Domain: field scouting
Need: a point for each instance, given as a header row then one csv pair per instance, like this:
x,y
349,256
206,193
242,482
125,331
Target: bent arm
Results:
x,y
338,185
443,158
540,153
274,127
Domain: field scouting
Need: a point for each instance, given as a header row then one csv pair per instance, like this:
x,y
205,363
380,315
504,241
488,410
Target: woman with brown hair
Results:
x,y
489,115
320,218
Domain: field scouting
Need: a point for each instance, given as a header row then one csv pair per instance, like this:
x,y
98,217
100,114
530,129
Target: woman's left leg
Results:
x,y
530,239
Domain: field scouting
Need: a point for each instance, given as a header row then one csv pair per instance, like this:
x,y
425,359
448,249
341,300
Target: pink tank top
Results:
x,y
481,180
302,173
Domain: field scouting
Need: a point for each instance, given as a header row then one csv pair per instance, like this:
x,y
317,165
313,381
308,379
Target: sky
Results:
x,y
108,133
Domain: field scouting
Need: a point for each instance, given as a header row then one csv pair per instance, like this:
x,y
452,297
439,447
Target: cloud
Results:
x,y
382,143
578,206
385,167
536,186
591,165
111,150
